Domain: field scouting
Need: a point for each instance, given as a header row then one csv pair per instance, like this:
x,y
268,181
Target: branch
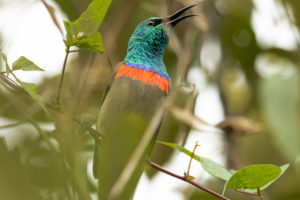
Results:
x,y
183,178
12,124
96,134
62,75
51,12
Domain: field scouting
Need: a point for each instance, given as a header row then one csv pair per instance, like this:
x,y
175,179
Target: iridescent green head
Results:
x,y
149,40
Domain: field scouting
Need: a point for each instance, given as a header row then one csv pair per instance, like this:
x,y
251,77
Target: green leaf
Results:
x,y
32,90
279,98
25,64
72,32
87,24
208,165
93,43
283,169
4,57
254,176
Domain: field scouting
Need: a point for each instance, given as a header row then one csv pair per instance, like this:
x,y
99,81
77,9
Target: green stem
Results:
x,y
62,75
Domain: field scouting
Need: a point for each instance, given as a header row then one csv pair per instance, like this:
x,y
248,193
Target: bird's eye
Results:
x,y
150,23
153,22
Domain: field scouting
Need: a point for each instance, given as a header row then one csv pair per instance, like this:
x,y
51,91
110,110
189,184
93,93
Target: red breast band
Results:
x,y
147,77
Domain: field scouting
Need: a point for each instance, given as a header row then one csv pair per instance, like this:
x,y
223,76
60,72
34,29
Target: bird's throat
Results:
x,y
144,74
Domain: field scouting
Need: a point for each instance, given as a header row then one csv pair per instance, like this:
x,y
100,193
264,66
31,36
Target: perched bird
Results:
x,y
139,85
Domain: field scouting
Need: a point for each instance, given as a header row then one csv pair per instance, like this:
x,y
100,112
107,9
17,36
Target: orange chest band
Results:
x,y
147,77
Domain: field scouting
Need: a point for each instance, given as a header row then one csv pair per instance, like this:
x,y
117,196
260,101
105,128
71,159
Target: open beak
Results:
x,y
175,18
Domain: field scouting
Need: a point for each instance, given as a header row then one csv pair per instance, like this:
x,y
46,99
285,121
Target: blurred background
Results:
x,y
241,56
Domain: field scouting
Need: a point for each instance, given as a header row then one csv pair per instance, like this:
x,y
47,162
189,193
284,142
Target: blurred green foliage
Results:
x,y
38,162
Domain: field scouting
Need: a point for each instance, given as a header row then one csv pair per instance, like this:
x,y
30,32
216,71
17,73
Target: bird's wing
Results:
x,y
111,80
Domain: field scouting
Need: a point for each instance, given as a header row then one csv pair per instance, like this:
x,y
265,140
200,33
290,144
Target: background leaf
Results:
x,y
91,19
25,64
32,90
4,57
93,42
279,96
81,33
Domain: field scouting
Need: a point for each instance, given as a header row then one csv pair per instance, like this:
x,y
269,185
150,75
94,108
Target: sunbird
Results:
x,y
139,85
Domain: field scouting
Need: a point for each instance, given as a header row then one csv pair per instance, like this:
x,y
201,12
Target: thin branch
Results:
x,y
42,133
51,12
183,178
95,134
8,81
190,163
62,75
12,124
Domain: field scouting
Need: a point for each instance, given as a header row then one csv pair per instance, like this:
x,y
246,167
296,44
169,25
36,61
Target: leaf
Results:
x,y
254,176
283,169
91,19
88,23
4,57
208,165
279,99
32,90
93,42
25,64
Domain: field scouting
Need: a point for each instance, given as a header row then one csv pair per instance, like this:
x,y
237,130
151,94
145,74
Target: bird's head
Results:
x,y
150,38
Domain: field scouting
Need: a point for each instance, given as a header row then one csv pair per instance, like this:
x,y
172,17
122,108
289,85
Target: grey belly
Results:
x,y
128,96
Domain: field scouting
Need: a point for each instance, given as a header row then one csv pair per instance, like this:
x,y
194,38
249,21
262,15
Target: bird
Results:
x,y
138,86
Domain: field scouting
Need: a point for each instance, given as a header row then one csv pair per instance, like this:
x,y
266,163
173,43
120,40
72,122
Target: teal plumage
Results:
x,y
140,84
147,45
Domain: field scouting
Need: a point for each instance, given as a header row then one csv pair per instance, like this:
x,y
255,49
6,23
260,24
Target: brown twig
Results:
x,y
183,178
51,12
8,81
190,163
